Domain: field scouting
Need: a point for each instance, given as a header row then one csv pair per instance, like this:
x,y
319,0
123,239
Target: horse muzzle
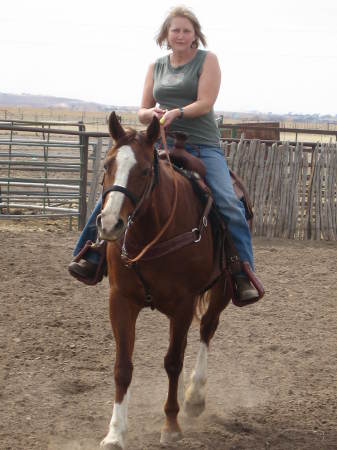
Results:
x,y
108,229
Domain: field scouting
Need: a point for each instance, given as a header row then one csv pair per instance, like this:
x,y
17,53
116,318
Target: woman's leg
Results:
x,y
89,233
232,209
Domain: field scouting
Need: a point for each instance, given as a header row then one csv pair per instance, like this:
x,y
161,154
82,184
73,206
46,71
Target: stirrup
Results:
x,y
254,281
97,247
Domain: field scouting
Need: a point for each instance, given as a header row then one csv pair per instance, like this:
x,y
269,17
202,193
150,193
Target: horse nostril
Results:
x,y
99,220
119,225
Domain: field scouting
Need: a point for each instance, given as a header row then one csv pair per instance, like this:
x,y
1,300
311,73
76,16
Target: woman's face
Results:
x,y
181,34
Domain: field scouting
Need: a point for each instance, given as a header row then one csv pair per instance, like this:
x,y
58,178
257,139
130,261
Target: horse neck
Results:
x,y
158,208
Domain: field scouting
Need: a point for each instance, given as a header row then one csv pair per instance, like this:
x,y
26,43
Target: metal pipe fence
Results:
x,y
47,172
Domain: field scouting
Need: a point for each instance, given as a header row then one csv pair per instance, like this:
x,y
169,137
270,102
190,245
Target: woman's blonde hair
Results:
x,y
181,11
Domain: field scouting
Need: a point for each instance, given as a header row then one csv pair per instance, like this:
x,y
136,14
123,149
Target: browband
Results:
x,y
124,191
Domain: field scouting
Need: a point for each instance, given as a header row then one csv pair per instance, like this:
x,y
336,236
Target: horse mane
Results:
x,y
130,136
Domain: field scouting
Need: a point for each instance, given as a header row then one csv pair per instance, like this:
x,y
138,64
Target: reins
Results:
x,y
169,221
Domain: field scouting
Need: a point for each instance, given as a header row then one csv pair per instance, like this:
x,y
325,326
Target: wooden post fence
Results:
x,y
293,190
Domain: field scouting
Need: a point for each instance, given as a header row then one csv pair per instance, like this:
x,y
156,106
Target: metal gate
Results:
x,y
49,172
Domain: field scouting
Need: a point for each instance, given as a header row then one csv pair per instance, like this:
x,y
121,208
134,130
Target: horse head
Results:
x,y
130,175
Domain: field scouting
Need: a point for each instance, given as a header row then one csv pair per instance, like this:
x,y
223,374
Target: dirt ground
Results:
x,y
272,366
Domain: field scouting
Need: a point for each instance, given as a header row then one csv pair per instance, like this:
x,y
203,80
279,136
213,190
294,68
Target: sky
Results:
x,y
276,56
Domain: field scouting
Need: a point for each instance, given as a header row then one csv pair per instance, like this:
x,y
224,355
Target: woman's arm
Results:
x,y
208,89
148,106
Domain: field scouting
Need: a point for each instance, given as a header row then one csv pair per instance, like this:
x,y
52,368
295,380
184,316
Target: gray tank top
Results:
x,y
176,87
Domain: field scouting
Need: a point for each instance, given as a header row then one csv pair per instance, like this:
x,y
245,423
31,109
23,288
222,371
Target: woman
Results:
x,y
185,84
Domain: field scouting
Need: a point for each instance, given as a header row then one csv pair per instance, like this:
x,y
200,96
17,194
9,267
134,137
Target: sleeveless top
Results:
x,y
176,87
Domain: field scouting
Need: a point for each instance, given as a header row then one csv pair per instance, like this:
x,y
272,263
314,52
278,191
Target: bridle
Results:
x,y
137,202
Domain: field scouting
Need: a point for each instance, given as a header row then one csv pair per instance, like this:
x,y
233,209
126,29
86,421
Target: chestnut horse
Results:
x,y
143,201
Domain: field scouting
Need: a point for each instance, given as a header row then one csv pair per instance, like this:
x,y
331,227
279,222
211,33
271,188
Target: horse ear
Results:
x,y
115,128
153,130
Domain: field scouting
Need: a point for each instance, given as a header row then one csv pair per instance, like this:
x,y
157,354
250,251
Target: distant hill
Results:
x,y
44,101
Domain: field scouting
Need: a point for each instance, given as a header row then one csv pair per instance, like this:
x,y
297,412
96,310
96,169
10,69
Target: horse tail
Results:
x,y
219,294
201,304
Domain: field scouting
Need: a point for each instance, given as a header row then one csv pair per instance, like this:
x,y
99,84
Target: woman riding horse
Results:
x,y
185,85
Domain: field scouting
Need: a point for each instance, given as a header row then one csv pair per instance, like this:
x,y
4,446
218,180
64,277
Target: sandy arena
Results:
x,y
272,366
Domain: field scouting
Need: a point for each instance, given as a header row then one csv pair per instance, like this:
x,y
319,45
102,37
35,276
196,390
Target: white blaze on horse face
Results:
x,y
118,424
125,160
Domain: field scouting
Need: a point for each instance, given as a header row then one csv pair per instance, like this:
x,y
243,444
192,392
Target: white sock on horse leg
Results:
x,y
118,423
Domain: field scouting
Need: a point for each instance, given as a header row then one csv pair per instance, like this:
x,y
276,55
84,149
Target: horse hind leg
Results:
x,y
195,397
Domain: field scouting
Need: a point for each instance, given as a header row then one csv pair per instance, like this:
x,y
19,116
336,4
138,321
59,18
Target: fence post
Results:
x,y
95,177
84,140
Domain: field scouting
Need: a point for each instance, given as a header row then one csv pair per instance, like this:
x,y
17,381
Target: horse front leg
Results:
x,y
195,397
123,316
173,362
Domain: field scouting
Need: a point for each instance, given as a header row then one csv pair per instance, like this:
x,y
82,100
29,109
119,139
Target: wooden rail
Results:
x,y
252,126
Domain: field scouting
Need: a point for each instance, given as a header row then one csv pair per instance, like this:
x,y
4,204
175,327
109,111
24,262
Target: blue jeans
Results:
x,y
89,233
219,181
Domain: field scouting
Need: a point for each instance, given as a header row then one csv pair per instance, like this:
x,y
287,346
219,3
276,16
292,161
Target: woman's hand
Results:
x,y
145,115
158,112
169,116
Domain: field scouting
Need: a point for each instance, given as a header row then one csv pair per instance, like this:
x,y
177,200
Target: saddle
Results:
x,y
184,160
226,259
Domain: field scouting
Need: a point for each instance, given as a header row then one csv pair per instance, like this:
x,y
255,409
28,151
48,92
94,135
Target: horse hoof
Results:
x,y
194,409
111,445
169,437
